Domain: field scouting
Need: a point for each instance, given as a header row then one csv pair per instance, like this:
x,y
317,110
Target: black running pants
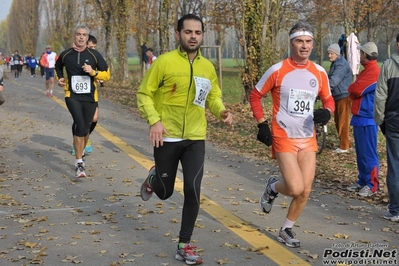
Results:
x,y
82,114
190,153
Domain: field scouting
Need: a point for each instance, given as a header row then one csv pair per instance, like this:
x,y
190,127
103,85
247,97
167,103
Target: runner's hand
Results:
x,y
264,134
321,116
61,82
87,68
156,134
227,117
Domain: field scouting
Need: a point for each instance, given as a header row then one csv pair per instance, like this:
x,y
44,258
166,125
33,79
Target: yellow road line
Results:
x,y
259,241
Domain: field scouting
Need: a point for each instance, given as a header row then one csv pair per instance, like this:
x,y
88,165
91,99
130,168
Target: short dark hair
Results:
x,y
371,57
189,17
150,49
92,39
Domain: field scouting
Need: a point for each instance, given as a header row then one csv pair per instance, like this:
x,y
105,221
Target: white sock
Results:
x,y
273,187
51,91
287,224
78,161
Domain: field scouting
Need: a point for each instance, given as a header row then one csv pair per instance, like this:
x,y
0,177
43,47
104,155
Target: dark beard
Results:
x,y
190,49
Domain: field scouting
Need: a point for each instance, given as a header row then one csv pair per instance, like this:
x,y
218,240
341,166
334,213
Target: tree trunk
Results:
x,y
122,32
253,21
165,7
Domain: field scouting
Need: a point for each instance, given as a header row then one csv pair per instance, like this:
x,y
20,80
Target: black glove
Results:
x,y
264,134
321,116
382,127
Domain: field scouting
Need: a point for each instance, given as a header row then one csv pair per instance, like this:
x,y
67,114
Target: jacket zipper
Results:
x,y
188,95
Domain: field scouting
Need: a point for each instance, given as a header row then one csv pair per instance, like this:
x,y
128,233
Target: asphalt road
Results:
x,y
47,217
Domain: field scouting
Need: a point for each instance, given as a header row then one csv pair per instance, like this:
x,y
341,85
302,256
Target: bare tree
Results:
x,y
140,29
61,17
321,14
105,11
23,26
388,28
191,6
252,22
219,16
123,18
166,22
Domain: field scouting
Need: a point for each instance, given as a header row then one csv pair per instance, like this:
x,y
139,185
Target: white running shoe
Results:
x,y
267,198
80,170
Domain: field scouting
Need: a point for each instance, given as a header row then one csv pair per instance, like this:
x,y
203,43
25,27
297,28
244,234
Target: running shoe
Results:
x,y
80,170
339,150
287,237
88,147
187,254
366,192
392,217
267,198
354,187
146,188
73,152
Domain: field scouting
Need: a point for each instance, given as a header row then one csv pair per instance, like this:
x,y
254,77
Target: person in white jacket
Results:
x,y
353,54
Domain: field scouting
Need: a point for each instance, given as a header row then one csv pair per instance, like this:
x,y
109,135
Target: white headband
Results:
x,y
301,33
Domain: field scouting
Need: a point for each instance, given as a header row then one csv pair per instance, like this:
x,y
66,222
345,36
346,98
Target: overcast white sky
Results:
x,y
4,8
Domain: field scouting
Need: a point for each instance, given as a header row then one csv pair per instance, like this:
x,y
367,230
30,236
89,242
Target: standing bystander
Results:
x,y
17,66
340,77
365,130
150,57
386,110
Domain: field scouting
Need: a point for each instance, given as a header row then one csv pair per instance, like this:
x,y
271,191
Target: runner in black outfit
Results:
x,y
82,66
17,66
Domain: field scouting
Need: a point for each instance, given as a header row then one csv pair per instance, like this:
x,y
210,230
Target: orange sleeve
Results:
x,y
255,101
43,60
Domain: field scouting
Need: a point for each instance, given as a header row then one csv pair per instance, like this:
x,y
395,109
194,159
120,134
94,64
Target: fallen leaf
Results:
x,y
30,244
222,261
